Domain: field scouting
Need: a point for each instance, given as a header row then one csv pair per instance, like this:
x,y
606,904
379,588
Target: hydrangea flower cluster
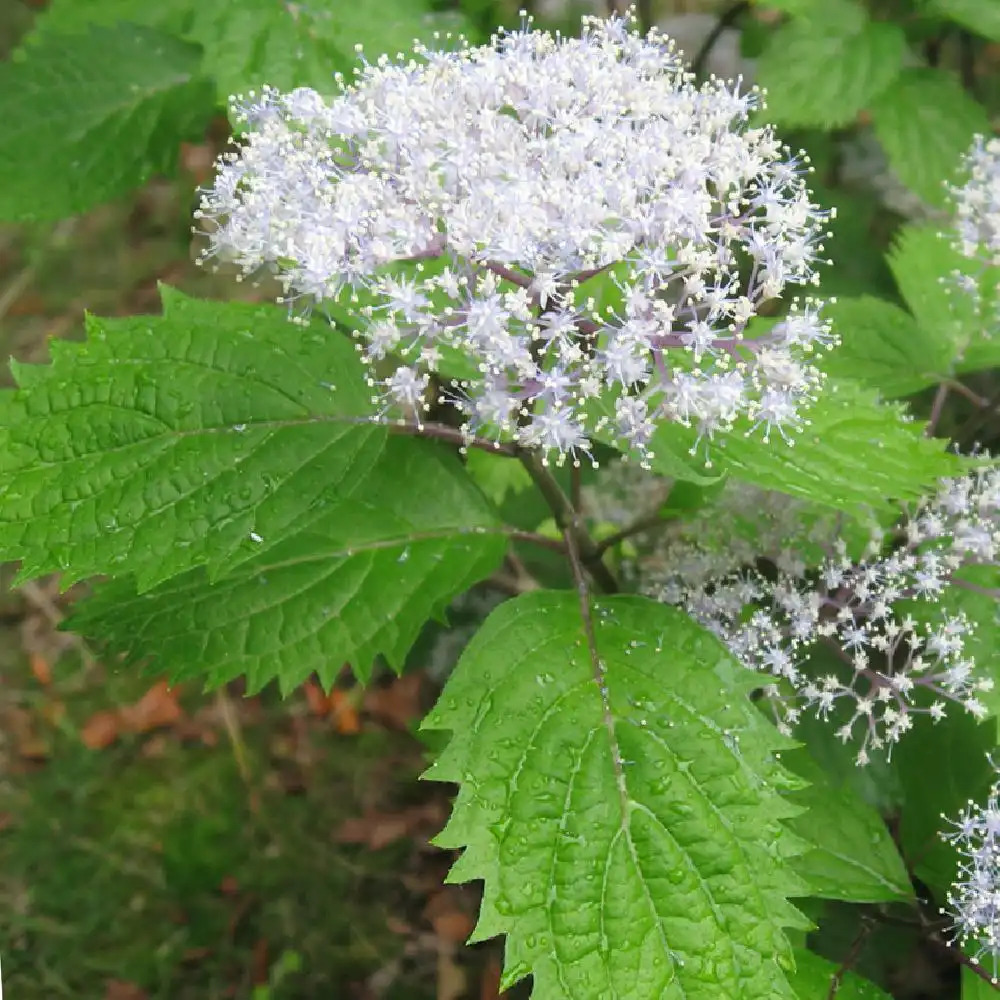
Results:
x,y
558,237
772,608
976,210
974,899
977,203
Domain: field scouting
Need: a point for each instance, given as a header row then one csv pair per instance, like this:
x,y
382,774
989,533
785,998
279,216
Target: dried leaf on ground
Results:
x,y
118,989
447,914
100,730
41,669
158,707
339,705
344,713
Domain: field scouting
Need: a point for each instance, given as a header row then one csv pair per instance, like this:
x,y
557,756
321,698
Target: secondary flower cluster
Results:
x,y
976,208
977,203
887,661
974,900
559,237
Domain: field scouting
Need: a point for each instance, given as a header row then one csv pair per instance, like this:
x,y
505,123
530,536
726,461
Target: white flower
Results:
x,y
977,203
485,199
976,236
974,899
893,666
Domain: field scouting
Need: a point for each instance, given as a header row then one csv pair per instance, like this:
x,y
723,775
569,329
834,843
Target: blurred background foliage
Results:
x,y
159,843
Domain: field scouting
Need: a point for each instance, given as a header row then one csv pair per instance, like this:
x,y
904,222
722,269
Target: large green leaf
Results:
x,y
854,452
165,443
822,70
357,578
814,977
620,798
926,122
885,347
89,117
980,16
899,352
285,45
852,857
66,17
255,42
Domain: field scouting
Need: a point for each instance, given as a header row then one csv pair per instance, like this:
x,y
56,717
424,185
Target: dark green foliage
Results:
x,y
78,131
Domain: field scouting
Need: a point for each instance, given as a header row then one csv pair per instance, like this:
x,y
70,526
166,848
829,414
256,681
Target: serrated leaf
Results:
x,y
823,71
255,42
883,346
980,16
814,977
80,130
357,579
165,443
852,857
670,459
620,798
285,44
926,122
922,261
855,452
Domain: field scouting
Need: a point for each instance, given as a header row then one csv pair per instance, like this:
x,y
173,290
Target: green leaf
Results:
x,y
977,603
796,8
67,17
496,475
822,71
883,346
165,443
854,246
975,987
814,976
620,798
852,857
82,128
855,452
286,45
256,42
926,122
980,16
358,578
941,767
922,261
